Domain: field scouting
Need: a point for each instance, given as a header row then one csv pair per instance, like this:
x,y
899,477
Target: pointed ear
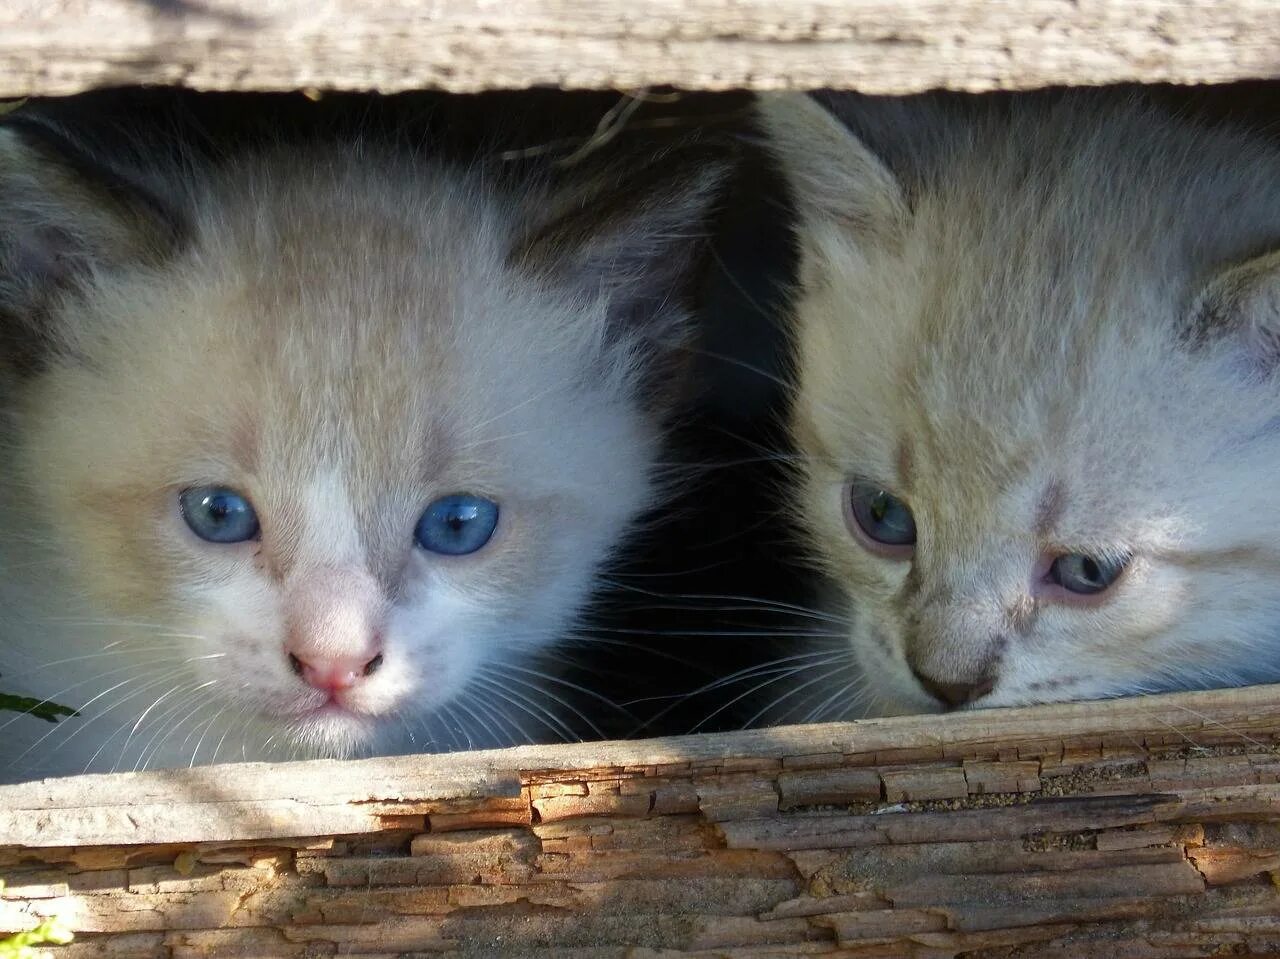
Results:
x,y
631,235
833,175
1243,302
64,218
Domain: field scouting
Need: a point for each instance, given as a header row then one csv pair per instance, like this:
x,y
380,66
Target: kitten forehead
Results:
x,y
395,313
1049,510
330,532
1025,325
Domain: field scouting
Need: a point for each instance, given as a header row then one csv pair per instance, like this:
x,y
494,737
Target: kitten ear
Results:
x,y
1243,302
64,217
630,236
833,174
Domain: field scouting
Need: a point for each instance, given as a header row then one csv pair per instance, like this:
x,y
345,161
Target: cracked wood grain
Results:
x,y
1148,829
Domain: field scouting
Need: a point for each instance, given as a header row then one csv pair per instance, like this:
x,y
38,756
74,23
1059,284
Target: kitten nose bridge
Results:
x,y
333,627
956,663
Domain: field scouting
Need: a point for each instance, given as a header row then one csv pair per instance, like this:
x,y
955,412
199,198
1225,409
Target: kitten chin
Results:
x,y
1037,396
313,448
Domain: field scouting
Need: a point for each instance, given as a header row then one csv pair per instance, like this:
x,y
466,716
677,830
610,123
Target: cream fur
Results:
x,y
1027,301
344,335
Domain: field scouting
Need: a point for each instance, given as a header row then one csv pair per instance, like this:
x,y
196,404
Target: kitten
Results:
x,y
1037,394
309,447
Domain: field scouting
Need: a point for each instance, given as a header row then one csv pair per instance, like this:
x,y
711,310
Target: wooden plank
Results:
x,y
1006,777
912,785
278,800
887,839
827,787
883,46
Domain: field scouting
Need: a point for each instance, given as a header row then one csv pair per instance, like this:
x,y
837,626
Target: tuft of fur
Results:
x,y
1048,323
343,332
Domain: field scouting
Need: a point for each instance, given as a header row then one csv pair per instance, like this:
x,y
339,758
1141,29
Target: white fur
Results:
x,y
360,320
1028,318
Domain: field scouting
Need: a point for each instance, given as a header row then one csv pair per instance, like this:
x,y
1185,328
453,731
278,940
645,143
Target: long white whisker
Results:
x,y
142,718
532,708
166,730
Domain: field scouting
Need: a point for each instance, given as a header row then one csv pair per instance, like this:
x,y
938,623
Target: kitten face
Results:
x,y
1035,460
328,472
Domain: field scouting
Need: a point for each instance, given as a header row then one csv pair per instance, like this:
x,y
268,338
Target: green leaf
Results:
x,y
49,932
42,708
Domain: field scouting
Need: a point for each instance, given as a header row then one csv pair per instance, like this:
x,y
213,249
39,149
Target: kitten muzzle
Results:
x,y
954,695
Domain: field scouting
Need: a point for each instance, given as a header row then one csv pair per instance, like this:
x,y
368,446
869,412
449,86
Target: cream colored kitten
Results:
x,y
1037,393
307,449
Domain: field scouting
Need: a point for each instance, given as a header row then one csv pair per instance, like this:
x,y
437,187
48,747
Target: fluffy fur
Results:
x,y
1049,324
344,333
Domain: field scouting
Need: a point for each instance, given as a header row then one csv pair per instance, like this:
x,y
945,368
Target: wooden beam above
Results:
x,y
880,46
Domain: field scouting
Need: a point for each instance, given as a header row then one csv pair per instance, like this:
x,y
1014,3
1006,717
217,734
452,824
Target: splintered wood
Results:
x,y
1128,829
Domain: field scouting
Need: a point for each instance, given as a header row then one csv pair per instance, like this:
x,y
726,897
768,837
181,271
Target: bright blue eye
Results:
x,y
218,514
457,524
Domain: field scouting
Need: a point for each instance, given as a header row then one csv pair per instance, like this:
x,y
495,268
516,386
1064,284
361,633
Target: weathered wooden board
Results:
x,y
1139,828
891,46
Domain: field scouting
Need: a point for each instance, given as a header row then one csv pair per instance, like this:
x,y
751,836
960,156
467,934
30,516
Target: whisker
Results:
x,y
106,740
726,633
1209,721
225,731
775,668
542,690
79,659
514,732
799,688
165,730
142,718
459,727
768,682
204,729
817,713
559,681
528,706
749,604
61,694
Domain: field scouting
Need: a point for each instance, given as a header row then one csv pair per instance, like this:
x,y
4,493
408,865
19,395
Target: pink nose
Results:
x,y
335,674
333,636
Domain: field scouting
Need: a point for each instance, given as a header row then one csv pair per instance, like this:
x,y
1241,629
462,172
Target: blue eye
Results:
x,y
218,514
881,516
457,524
1086,575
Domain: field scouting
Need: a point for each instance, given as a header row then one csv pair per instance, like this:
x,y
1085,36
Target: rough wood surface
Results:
x,y
1143,829
891,46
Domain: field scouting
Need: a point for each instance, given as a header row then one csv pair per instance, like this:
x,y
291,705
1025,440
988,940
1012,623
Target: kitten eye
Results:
x,y
1085,575
456,524
218,514
881,517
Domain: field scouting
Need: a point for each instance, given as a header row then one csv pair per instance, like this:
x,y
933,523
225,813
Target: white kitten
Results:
x,y
308,448
1037,393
